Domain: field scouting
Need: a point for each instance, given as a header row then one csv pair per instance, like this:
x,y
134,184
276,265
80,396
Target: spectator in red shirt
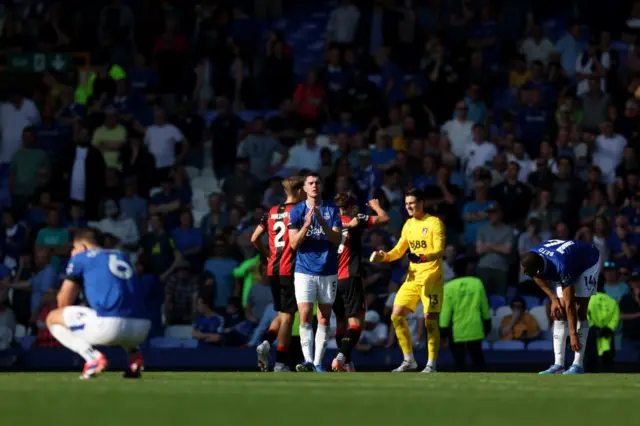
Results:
x,y
310,99
48,303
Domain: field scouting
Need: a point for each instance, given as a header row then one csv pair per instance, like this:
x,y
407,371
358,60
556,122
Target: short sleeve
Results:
x,y
263,221
364,221
74,269
336,220
177,134
294,218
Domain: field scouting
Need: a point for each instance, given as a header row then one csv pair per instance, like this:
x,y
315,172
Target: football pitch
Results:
x,y
238,399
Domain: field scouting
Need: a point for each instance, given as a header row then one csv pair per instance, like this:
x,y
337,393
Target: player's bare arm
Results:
x,y
256,241
334,235
557,309
296,236
382,217
568,295
68,293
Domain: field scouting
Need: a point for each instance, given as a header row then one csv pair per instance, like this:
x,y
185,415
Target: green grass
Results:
x,y
361,399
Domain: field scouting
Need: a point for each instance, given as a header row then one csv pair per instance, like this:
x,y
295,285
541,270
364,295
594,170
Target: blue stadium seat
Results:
x,y
270,114
249,115
165,343
497,301
540,345
190,344
26,342
486,345
531,301
508,345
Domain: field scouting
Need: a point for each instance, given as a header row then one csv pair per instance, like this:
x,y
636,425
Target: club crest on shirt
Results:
x,y
326,216
424,231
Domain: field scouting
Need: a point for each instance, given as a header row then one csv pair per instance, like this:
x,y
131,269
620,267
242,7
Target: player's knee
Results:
x,y
397,321
54,317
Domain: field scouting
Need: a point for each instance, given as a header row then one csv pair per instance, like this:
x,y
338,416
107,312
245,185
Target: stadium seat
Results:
x,y
508,345
531,301
540,314
496,320
375,79
486,345
26,342
189,344
179,331
249,115
497,301
21,331
547,334
540,345
165,342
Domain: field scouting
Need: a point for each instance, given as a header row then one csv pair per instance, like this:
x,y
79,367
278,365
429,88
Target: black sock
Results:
x,y
339,336
282,355
270,336
350,341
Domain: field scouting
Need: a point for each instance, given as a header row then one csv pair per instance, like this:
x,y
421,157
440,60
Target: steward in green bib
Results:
x,y
604,317
465,317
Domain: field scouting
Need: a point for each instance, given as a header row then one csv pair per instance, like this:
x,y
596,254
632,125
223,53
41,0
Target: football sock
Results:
x,y
270,336
583,333
350,341
322,338
306,341
433,341
403,333
76,344
559,341
339,336
282,355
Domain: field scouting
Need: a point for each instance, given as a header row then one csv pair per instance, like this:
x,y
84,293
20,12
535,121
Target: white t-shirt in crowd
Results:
x,y
537,51
526,165
608,155
12,122
303,157
588,68
478,155
460,135
162,141
78,175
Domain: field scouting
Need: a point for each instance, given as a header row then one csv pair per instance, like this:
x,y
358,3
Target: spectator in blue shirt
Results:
x,y
548,93
15,235
154,292
392,76
533,120
570,47
43,280
382,153
221,266
623,243
208,328
142,80
189,240
76,216
429,174
168,203
477,110
475,212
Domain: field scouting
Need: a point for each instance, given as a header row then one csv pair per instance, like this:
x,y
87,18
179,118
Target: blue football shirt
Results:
x,y
316,255
566,260
110,284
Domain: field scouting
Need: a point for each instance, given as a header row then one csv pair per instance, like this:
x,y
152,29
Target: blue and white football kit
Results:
x,y
117,312
569,263
315,276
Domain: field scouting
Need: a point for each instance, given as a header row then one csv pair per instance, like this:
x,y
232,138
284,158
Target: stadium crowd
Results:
x,y
518,120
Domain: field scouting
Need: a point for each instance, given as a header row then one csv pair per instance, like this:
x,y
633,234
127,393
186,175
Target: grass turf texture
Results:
x,y
365,399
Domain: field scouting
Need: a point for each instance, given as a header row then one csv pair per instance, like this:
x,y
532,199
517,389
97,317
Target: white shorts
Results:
x,y
587,283
311,288
105,331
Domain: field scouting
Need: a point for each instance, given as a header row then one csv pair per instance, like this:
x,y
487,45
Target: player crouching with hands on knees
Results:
x,y
116,315
423,235
567,271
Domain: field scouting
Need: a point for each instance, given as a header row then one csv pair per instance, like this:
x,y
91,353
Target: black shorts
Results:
x,y
284,294
349,298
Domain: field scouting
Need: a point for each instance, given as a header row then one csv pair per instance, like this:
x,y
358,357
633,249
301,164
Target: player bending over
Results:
x,y
349,305
423,235
315,233
567,271
116,316
281,260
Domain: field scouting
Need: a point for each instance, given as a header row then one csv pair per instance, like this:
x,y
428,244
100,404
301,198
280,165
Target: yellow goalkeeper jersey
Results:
x,y
424,236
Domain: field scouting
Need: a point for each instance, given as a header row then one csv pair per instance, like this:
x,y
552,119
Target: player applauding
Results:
x,y
315,233
349,304
423,235
280,272
567,271
116,316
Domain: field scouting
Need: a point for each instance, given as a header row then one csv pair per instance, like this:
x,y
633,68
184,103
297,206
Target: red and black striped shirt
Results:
x,y
350,250
281,255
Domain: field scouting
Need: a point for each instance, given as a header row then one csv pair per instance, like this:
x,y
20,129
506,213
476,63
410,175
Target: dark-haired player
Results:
x,y
423,235
116,315
567,271
281,261
349,305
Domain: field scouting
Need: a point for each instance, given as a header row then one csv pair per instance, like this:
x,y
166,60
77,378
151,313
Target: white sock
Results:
x,y
431,363
559,341
322,338
409,357
76,344
583,333
306,341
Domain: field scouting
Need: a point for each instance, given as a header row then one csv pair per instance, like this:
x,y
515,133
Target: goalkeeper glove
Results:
x,y
417,258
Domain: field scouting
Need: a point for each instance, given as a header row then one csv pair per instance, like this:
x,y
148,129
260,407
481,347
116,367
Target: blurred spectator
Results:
x,y
189,241
595,104
242,181
374,333
160,248
537,47
221,266
124,228
623,243
162,138
25,164
7,322
305,156
569,47
594,63
475,213
260,148
613,287
237,329
15,115
133,206
48,303
209,327
460,130
259,297
479,152
167,202
310,99
513,196
155,295
530,237
110,137
630,312
138,164
225,131
179,292
54,237
343,23
494,244
15,239
519,325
